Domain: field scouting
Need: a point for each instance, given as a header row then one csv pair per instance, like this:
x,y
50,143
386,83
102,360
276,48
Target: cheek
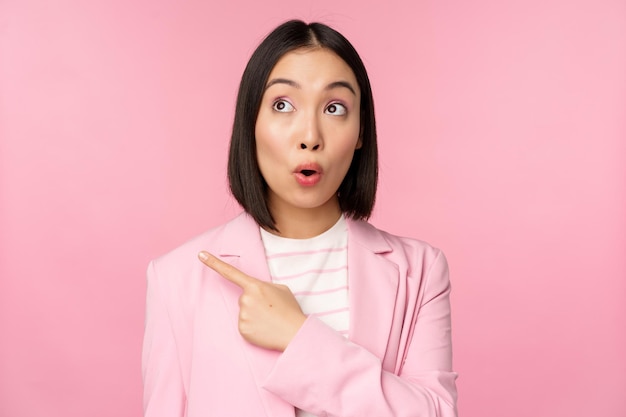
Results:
x,y
268,133
352,134
349,142
270,153
264,138
344,154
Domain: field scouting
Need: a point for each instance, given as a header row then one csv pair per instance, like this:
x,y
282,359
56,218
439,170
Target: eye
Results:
x,y
336,109
282,106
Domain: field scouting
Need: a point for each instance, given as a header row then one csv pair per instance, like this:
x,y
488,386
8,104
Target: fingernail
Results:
x,y
204,256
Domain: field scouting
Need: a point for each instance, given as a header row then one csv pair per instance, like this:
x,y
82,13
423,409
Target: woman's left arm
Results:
x,y
326,374
322,372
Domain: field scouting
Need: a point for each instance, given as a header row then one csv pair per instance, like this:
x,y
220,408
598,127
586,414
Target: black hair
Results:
x,y
357,192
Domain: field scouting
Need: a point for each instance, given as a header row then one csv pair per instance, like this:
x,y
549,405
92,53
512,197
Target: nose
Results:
x,y
310,134
314,148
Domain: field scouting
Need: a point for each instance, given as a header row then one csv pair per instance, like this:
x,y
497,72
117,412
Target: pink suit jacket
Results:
x,y
397,360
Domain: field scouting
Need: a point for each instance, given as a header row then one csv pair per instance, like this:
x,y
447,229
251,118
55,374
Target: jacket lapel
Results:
x,y
242,247
373,288
373,282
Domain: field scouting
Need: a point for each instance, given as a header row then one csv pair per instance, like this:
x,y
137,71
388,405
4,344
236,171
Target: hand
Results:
x,y
269,315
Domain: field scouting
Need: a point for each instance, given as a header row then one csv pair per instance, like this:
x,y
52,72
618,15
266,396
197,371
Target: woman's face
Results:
x,y
307,130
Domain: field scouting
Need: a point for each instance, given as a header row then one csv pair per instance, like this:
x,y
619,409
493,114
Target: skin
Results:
x,y
309,114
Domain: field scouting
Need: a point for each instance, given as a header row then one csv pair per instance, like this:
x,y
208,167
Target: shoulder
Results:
x,y
183,259
405,251
381,241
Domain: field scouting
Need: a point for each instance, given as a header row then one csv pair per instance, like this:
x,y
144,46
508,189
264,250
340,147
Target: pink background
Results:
x,y
502,140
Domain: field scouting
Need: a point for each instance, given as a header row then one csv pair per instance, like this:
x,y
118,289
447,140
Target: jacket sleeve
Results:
x,y
328,375
164,394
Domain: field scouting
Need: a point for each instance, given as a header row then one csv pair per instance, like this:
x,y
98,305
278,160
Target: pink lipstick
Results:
x,y
309,174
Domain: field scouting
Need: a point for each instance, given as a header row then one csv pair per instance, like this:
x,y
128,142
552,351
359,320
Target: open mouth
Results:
x,y
308,174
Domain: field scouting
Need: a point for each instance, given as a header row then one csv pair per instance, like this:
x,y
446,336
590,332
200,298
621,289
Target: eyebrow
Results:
x,y
331,86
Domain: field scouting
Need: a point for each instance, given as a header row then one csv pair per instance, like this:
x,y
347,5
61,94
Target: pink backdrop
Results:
x,y
507,119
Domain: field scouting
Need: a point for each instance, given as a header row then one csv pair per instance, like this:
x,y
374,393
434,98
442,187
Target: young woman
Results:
x,y
298,306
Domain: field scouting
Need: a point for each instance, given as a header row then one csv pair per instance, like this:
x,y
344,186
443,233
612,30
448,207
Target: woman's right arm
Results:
x,y
163,389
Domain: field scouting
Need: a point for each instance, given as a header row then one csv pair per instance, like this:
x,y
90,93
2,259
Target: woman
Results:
x,y
298,305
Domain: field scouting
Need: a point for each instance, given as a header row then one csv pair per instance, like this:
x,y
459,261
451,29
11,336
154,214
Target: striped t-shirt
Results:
x,y
316,272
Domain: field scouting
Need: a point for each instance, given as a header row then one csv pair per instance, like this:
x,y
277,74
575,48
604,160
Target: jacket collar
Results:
x,y
242,236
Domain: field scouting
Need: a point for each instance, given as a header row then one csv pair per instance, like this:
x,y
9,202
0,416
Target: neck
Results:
x,y
300,223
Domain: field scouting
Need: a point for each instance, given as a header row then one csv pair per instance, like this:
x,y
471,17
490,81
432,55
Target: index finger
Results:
x,y
226,270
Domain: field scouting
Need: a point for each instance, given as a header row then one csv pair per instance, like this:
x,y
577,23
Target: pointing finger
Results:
x,y
226,270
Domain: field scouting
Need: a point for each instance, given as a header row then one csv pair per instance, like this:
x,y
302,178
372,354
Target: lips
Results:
x,y
308,174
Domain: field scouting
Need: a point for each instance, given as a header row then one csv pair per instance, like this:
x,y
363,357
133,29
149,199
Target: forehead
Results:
x,y
313,66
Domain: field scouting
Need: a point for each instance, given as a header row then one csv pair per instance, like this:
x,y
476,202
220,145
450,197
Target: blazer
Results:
x,y
396,361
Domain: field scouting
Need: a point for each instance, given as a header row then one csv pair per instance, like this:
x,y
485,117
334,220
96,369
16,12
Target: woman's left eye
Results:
x,y
336,109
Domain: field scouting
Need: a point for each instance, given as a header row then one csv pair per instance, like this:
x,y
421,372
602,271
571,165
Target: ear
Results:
x,y
359,143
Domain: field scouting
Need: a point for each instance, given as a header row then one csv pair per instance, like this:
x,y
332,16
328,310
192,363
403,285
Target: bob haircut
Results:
x,y
357,191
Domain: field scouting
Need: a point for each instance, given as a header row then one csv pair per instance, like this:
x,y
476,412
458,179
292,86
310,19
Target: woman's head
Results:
x,y
356,193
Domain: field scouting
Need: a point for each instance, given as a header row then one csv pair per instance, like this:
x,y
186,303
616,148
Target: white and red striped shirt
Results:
x,y
316,272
